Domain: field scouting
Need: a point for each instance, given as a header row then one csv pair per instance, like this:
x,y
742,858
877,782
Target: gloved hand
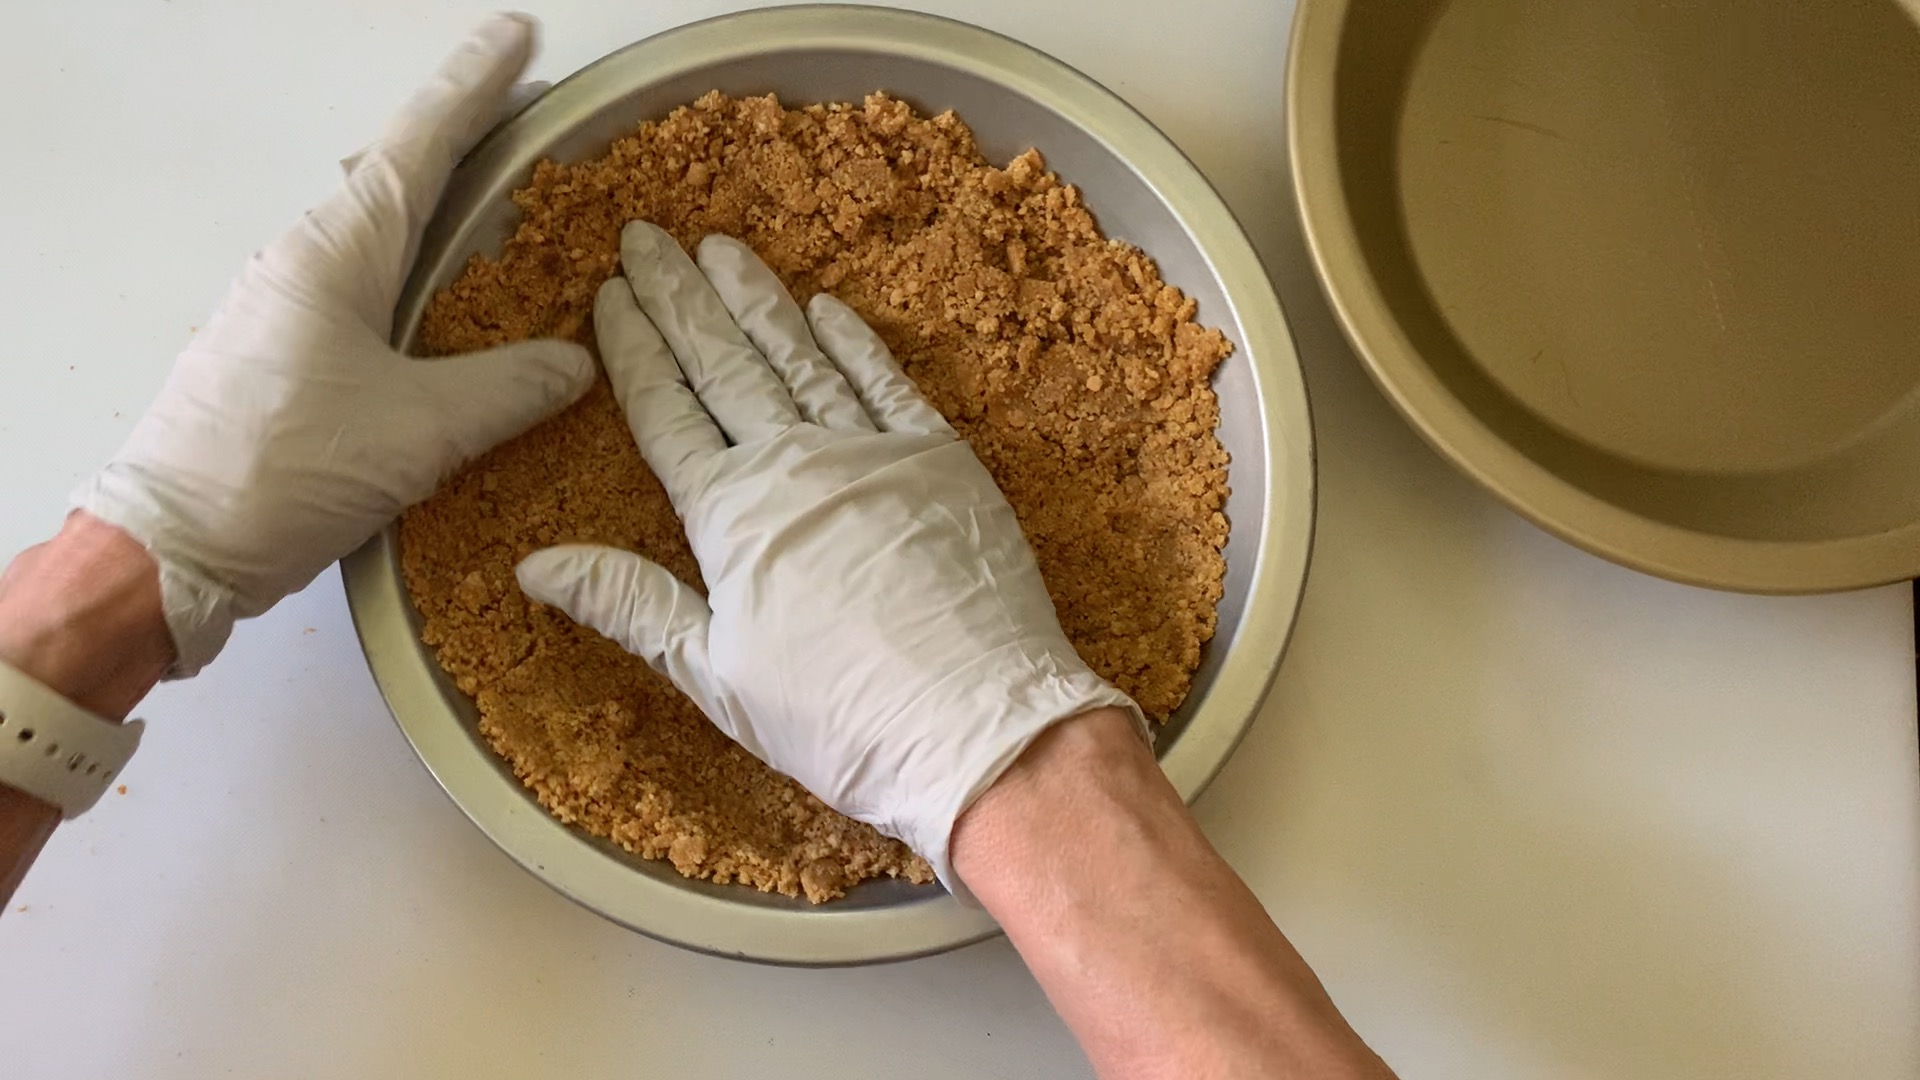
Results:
x,y
289,431
875,625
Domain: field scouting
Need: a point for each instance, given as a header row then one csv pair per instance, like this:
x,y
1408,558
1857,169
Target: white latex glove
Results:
x,y
290,431
875,625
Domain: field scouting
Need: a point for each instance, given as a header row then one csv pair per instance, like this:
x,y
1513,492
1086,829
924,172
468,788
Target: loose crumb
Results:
x,y
1078,376
122,789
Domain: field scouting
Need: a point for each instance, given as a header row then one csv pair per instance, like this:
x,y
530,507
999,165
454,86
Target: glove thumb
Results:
x,y
638,604
472,403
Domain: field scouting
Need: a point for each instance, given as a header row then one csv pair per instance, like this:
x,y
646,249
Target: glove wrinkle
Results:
x,y
289,431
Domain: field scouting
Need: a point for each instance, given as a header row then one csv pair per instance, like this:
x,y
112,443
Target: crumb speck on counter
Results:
x,y
1077,375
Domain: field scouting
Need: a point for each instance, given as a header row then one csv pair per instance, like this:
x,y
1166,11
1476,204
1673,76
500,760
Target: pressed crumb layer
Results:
x,y
1079,378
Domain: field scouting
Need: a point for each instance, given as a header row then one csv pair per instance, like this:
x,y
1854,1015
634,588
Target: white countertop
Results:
x,y
1528,814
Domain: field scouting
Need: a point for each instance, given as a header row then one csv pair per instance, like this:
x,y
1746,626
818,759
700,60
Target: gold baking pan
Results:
x,y
1650,271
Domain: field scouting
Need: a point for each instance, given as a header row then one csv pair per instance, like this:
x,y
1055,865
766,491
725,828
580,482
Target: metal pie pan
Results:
x,y
1143,190
1646,271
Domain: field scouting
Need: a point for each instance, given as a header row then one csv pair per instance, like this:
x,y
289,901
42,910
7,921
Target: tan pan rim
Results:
x,y
1649,271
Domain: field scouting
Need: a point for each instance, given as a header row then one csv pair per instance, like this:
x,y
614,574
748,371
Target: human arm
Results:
x,y
80,613
1158,957
875,626
287,433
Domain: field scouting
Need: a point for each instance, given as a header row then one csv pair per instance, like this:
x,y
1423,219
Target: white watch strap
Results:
x,y
55,750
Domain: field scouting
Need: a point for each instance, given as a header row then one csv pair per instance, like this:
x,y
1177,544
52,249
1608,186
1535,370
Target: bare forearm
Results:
x,y
81,613
1158,957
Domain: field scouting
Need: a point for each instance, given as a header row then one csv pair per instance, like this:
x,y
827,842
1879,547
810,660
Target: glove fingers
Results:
x,y
674,432
766,313
357,246
634,602
889,396
463,100
467,405
519,96
732,379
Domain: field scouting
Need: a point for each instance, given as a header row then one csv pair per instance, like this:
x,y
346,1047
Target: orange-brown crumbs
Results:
x,y
1078,376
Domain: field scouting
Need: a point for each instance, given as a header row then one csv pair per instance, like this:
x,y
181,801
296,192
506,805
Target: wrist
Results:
x,y
81,613
1082,769
1158,957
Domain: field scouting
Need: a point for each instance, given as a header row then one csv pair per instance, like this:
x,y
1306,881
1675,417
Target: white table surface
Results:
x,y
1530,815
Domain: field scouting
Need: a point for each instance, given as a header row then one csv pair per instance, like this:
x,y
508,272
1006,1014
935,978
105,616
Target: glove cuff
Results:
x,y
1053,695
198,610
